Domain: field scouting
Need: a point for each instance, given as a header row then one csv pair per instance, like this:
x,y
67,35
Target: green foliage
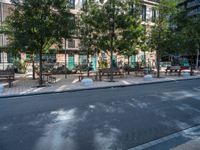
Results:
x,y
103,64
36,25
97,21
20,65
131,29
161,32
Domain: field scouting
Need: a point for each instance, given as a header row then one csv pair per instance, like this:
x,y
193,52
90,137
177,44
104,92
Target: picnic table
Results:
x,y
177,70
92,74
144,71
107,72
8,74
48,77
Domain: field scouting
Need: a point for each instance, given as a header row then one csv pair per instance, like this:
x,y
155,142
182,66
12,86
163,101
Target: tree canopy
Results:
x,y
38,25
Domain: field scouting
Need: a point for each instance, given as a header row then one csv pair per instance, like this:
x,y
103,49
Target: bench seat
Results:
x,y
9,75
107,72
82,75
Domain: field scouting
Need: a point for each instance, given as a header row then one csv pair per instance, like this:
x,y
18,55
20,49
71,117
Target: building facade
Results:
x,y
191,6
71,47
5,58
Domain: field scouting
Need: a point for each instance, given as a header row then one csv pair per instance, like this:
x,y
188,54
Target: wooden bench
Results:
x,y
52,79
172,69
177,70
8,74
47,77
82,75
107,72
144,71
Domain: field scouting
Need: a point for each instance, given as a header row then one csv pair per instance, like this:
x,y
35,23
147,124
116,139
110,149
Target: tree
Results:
x,y
191,36
88,35
161,30
185,35
131,30
37,25
113,27
103,19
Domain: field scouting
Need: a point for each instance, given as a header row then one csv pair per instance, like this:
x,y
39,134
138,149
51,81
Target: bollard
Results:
x,y
148,77
1,88
186,74
87,82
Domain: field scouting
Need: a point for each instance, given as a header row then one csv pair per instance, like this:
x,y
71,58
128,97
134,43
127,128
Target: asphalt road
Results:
x,y
106,119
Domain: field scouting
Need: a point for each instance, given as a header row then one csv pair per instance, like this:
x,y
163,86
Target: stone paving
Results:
x,y
25,85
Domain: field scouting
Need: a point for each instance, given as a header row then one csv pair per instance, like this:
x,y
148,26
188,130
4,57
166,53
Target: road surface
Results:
x,y
106,119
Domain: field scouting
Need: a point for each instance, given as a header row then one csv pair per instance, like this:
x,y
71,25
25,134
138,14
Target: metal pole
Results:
x,y
65,59
3,60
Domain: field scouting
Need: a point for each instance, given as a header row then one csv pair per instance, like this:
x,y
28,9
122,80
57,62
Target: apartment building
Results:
x,y
191,6
71,47
5,58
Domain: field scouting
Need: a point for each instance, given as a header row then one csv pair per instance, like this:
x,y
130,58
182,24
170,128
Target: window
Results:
x,y
83,4
28,56
144,11
153,15
71,43
83,59
9,58
134,9
103,56
72,3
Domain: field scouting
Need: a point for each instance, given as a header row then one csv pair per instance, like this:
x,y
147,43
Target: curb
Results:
x,y
96,88
166,138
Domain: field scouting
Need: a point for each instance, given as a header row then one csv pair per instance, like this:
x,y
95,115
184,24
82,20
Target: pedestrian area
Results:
x,y
25,85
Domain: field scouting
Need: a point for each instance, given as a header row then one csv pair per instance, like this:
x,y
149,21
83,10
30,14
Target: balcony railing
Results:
x,y
193,4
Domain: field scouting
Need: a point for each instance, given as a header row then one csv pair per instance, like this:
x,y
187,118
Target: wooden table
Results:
x,y
47,75
81,75
9,78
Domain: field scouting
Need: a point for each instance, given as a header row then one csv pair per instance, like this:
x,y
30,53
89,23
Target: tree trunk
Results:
x,y
40,66
158,63
33,66
65,59
88,63
128,65
145,59
197,61
191,67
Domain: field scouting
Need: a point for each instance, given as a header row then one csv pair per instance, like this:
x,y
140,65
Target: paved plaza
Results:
x,y
25,85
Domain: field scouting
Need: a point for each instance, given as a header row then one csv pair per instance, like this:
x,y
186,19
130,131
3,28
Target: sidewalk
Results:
x,y
188,139
24,85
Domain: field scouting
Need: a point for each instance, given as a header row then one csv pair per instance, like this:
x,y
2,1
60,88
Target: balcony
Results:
x,y
192,4
152,2
157,1
194,12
